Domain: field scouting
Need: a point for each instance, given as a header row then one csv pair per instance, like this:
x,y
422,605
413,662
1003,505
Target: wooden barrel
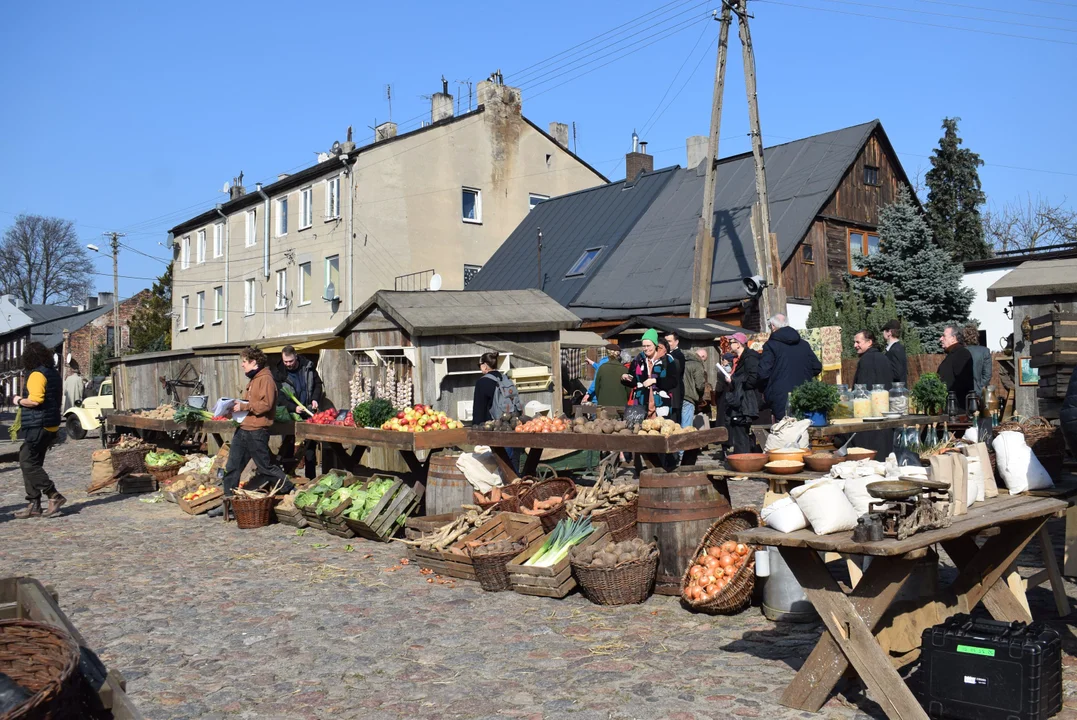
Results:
x,y
446,488
677,509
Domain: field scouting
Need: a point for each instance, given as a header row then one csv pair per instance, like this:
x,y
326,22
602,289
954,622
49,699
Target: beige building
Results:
x,y
296,256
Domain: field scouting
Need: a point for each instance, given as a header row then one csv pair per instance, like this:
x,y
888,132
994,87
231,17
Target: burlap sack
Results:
x,y
100,471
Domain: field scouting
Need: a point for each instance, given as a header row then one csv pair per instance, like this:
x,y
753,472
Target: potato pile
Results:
x,y
613,554
161,412
600,426
496,547
662,426
507,423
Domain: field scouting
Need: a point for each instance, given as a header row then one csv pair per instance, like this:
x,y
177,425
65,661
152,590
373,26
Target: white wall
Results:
x,y
798,315
992,319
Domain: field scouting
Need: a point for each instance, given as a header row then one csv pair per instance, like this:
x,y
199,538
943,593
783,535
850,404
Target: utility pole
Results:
x,y
539,241
703,264
115,290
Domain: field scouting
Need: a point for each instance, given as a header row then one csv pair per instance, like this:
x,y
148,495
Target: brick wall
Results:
x,y
82,342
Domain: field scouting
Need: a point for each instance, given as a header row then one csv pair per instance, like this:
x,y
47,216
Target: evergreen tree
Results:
x,y
910,337
98,365
852,318
924,279
151,323
883,311
824,308
954,197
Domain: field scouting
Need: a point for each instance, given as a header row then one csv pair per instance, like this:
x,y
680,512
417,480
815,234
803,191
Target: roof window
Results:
x,y
585,262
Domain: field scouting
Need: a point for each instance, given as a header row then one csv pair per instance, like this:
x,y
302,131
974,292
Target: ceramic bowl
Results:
x,y
746,462
773,469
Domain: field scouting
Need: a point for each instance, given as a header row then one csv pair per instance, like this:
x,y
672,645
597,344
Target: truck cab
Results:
x,y
86,415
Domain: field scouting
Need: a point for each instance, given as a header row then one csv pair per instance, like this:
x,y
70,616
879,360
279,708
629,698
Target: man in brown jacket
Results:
x,y
251,440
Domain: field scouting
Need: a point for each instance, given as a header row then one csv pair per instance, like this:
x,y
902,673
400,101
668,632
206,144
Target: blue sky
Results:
x,y
131,116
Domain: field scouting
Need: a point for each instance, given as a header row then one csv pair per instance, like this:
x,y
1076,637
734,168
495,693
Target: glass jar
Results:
x,y
844,408
899,398
880,400
861,401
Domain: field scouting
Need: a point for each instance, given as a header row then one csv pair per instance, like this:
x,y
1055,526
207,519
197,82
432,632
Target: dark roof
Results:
x,y
460,312
317,170
41,313
686,328
1016,257
51,332
598,217
649,271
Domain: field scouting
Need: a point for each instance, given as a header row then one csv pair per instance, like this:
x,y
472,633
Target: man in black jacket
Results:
x,y
742,405
787,361
895,351
682,412
298,372
956,368
872,368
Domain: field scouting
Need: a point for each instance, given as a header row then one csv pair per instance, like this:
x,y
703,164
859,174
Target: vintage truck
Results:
x,y
86,414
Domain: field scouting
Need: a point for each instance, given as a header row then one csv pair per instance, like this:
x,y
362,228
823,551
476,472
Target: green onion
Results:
x,y
564,537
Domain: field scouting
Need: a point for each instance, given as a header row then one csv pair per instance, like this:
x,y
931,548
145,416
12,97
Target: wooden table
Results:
x,y
852,619
640,444
221,430
777,483
826,431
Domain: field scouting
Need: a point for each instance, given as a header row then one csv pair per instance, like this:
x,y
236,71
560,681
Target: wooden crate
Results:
x,y
455,562
136,483
313,519
203,504
555,581
337,526
381,523
290,516
416,526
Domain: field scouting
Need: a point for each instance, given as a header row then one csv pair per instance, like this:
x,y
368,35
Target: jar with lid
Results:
x,y
880,399
899,398
861,401
844,408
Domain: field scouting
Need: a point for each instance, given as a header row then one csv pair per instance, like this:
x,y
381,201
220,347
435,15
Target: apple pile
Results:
x,y
201,492
421,418
714,569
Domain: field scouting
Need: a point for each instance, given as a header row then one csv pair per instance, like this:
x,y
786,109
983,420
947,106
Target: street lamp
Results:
x,y
115,288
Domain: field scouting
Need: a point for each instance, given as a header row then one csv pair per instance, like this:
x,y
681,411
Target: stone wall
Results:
x,y
82,342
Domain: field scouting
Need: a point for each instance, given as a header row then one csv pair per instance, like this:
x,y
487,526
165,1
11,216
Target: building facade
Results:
x,y
294,257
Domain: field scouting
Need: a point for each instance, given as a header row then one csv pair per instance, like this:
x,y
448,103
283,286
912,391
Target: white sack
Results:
x,y
784,516
788,433
1018,465
826,507
856,491
480,468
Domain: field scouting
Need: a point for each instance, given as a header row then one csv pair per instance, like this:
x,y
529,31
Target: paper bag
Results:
x,y
944,469
990,486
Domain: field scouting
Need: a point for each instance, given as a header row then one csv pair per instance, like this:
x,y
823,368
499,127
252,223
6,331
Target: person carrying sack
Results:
x,y
39,418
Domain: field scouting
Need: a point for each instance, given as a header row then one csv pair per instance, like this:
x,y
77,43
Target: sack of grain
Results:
x,y
100,471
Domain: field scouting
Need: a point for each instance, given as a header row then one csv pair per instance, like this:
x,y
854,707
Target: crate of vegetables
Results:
x,y
323,496
446,550
380,508
201,500
543,568
287,513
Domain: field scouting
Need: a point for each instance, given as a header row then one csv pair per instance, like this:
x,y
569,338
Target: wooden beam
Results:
x,y
521,351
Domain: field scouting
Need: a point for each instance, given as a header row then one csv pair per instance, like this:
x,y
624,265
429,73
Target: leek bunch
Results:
x,y
564,537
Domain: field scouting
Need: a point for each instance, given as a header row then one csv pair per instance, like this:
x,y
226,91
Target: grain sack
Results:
x,y
100,471
825,506
1018,465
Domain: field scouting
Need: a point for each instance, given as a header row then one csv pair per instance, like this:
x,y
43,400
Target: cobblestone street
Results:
x,y
207,621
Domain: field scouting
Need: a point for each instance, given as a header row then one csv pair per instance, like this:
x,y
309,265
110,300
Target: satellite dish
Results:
x,y
225,188
435,282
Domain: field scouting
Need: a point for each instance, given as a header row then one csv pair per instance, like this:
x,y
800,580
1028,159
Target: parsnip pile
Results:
x,y
600,497
443,538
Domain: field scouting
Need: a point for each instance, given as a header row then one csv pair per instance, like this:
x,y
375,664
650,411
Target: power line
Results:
x,y
996,10
673,80
687,81
949,15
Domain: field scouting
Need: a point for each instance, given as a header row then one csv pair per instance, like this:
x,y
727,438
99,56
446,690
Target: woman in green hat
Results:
x,y
651,378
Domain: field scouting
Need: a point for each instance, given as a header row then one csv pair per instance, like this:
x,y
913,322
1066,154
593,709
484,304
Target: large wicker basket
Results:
x,y
737,593
621,520
491,570
252,513
165,473
42,659
627,584
510,497
548,489
131,460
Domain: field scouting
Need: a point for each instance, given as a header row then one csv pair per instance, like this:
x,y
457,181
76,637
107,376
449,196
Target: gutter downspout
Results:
x,y
350,173
227,280
265,231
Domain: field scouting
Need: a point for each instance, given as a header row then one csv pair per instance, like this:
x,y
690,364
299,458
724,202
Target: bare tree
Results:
x,y
1030,225
42,261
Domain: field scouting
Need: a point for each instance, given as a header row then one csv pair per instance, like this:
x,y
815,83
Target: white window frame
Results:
x,y
200,309
304,283
534,199
332,198
185,302
218,304
249,292
477,220
306,208
282,216
185,252
325,286
200,247
218,239
251,238
281,296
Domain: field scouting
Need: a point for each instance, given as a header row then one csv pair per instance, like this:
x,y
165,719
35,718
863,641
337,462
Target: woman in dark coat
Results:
x,y
742,399
652,378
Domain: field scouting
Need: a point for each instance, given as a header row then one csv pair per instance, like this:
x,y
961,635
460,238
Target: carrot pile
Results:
x,y
541,507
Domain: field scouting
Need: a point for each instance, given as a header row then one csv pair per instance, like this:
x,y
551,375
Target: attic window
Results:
x,y
871,175
582,265
807,254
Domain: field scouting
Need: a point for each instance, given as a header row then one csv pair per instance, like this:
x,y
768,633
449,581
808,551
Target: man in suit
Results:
x,y
895,351
956,367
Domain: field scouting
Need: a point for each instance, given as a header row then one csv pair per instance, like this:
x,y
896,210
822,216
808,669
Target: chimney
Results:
x,y
638,161
697,150
104,298
495,95
91,302
236,189
385,131
559,131
441,103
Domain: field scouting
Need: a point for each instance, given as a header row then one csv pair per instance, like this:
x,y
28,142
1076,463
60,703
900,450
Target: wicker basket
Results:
x,y
491,570
627,584
132,460
1046,441
547,489
252,513
165,473
737,593
42,659
621,521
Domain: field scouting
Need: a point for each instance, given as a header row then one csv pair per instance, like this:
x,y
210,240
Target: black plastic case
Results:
x,y
987,670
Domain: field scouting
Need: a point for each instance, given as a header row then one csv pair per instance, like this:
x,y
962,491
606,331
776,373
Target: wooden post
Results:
x,y
703,264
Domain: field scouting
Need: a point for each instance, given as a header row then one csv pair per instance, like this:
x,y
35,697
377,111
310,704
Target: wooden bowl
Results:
x,y
854,456
746,462
773,469
822,463
787,454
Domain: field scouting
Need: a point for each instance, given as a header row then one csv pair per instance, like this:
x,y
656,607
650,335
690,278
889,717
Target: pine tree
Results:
x,y
883,311
98,362
824,308
151,324
955,196
852,318
923,278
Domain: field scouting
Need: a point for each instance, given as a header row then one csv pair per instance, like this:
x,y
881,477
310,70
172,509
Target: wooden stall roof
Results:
x,y
449,312
1037,277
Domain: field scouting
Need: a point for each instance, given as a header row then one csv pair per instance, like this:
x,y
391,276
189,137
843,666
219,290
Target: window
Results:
x,y
470,271
306,208
200,309
861,244
586,260
472,205
282,289
185,303
332,198
534,199
218,240
218,304
248,296
304,283
807,254
332,277
282,216
185,252
110,337
252,227
871,175
201,249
